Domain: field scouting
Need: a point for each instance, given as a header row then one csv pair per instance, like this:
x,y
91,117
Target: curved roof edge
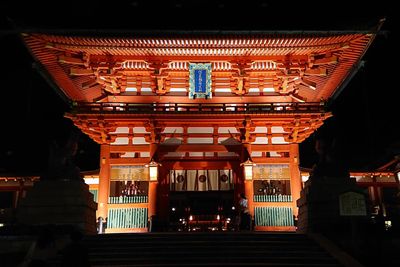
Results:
x,y
160,33
179,32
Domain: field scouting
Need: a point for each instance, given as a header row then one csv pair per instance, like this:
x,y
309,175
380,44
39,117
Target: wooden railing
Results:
x,y
311,107
127,218
273,216
272,198
127,199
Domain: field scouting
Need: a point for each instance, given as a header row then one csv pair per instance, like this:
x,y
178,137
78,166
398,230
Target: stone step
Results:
x,y
199,243
187,239
207,249
218,264
201,235
214,258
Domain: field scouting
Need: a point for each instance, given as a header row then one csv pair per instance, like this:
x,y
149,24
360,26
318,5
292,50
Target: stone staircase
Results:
x,y
207,249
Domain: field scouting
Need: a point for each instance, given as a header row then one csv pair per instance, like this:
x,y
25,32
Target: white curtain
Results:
x,y
225,179
176,183
191,180
213,179
200,180
202,185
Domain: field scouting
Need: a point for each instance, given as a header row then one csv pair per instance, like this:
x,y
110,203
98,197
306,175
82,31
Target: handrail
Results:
x,y
310,107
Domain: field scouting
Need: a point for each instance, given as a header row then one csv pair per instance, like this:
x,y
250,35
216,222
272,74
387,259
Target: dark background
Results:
x,y
365,113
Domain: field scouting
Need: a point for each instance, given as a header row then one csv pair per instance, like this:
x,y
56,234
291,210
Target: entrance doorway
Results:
x,y
202,211
201,200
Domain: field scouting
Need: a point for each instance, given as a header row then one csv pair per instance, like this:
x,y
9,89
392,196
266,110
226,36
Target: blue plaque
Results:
x,y
200,80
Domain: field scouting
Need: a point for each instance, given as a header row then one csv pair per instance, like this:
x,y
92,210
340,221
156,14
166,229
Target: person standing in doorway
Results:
x,y
244,212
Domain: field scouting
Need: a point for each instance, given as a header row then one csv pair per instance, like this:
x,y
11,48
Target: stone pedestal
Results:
x,y
319,209
60,203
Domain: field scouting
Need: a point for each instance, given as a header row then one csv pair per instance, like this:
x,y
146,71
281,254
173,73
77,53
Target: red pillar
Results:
x,y
152,194
104,181
152,206
248,191
248,184
295,177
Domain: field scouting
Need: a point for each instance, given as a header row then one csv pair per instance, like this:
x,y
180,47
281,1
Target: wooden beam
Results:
x,y
316,72
201,148
192,148
80,72
271,147
222,164
70,60
312,85
270,160
90,83
129,161
326,60
129,148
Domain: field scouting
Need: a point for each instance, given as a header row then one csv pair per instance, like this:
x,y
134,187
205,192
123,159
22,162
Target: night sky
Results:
x,y
365,113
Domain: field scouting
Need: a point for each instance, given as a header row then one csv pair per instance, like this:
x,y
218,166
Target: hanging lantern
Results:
x,y
153,170
248,169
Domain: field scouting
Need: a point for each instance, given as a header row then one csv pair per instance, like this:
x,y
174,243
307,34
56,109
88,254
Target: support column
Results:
x,y
248,184
153,186
152,197
295,177
248,191
104,181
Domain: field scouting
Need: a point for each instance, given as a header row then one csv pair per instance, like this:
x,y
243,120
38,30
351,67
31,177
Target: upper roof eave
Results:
x,y
212,33
158,32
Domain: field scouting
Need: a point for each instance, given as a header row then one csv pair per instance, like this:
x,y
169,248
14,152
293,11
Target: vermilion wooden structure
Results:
x,y
130,95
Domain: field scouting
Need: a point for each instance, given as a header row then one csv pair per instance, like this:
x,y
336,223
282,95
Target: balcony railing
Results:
x,y
127,199
272,198
154,108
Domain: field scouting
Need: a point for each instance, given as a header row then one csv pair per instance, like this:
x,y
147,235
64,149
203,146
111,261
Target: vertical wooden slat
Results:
x,y
127,218
273,216
272,198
